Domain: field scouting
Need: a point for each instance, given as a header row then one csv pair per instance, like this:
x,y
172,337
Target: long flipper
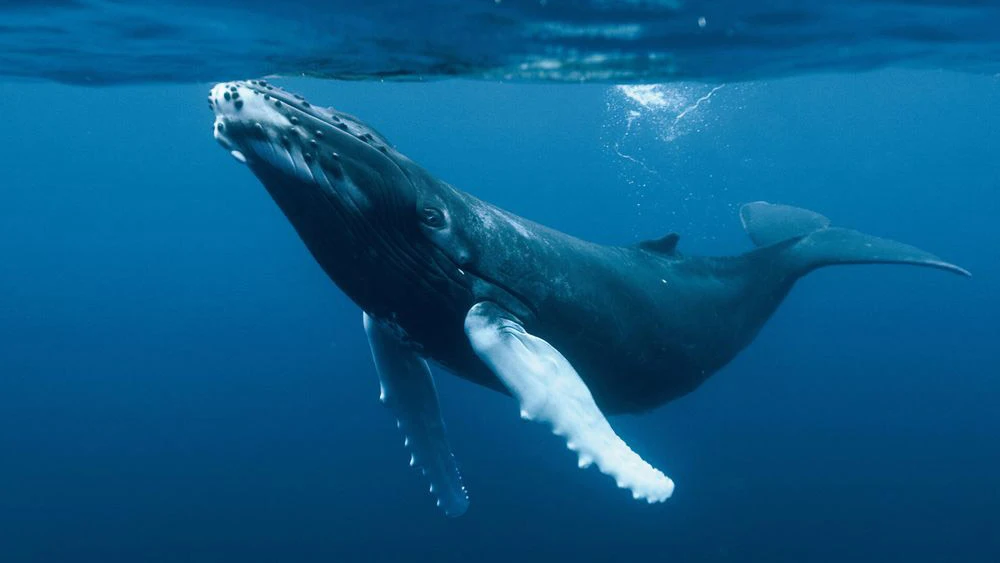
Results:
x,y
549,390
408,389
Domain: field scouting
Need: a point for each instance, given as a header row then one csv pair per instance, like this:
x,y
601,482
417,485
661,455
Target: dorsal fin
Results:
x,y
666,244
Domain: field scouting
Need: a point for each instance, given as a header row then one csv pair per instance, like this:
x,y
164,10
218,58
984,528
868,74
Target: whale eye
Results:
x,y
432,217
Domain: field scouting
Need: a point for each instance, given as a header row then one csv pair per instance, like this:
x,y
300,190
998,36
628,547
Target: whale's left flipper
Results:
x,y
549,390
408,389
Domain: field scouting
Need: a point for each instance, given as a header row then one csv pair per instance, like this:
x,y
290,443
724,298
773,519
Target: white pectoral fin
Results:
x,y
549,390
408,390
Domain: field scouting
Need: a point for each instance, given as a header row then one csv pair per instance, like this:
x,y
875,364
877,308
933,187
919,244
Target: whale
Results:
x,y
571,330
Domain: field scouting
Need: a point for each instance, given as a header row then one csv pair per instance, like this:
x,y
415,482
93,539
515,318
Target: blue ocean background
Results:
x,y
179,382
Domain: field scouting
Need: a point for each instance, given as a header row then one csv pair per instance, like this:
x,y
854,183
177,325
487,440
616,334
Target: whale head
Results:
x,y
371,217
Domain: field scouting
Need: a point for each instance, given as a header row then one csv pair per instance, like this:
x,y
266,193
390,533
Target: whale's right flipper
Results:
x,y
549,390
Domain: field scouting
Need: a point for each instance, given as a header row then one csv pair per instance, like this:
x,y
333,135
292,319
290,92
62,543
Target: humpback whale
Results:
x,y
572,330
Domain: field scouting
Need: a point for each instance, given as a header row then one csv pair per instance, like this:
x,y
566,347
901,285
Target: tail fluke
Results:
x,y
771,223
809,242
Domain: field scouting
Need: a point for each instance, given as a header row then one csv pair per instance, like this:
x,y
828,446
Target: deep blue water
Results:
x,y
179,382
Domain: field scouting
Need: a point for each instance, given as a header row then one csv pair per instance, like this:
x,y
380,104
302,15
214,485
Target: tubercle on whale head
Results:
x,y
274,131
259,102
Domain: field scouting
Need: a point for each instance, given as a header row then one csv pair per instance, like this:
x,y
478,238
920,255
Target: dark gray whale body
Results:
x,y
568,327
